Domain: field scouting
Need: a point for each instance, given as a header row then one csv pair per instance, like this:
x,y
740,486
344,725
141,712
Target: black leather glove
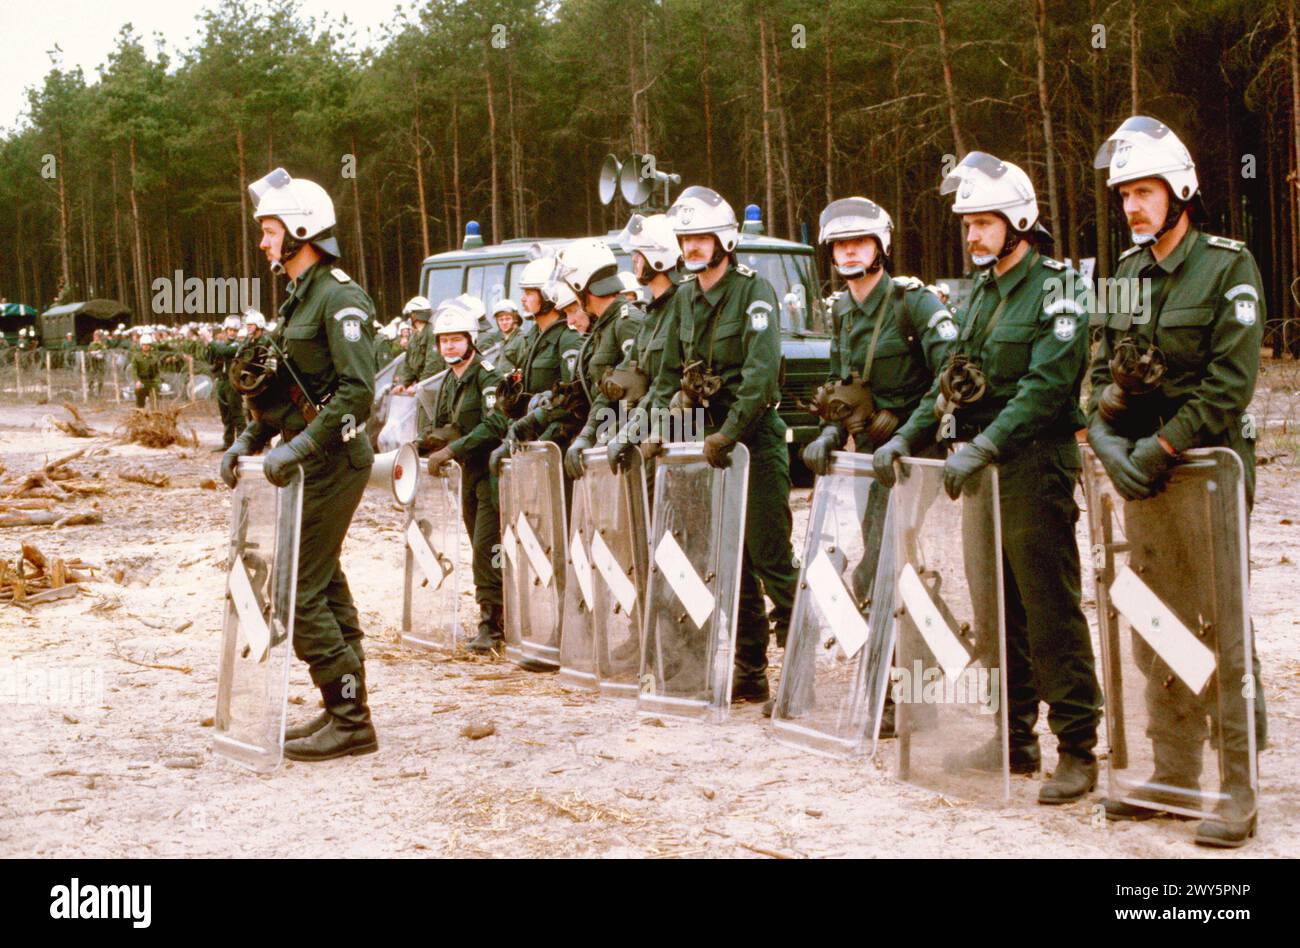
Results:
x,y
502,450
285,456
573,463
1113,452
816,453
244,445
883,458
717,449
970,460
438,458
1152,462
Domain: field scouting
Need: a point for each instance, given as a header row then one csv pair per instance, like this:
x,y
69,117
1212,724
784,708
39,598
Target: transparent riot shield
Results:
x,y
537,483
835,674
578,628
621,557
512,573
431,577
950,680
257,629
1174,618
693,593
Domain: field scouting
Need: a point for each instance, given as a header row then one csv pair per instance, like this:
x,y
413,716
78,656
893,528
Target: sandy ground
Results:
x,y
121,764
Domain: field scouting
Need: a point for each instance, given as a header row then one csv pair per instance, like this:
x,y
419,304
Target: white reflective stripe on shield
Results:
x,y
511,546
582,569
425,556
250,616
615,578
1181,650
684,581
533,550
836,605
948,651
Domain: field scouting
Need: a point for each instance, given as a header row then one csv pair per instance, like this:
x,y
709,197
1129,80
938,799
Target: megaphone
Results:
x,y
638,177
609,177
398,472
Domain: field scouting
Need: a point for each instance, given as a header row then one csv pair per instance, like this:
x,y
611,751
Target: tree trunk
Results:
x,y
949,95
708,117
1040,44
360,254
827,87
1134,42
381,301
455,165
417,149
769,207
65,256
1071,220
117,238
1293,63
492,158
245,246
517,226
1099,197
141,288
785,146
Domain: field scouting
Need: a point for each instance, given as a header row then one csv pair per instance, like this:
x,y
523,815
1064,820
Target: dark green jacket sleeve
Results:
x,y
354,365
758,376
492,427
1233,368
1049,386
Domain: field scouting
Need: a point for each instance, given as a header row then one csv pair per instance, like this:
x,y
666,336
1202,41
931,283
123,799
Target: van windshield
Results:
x,y
791,275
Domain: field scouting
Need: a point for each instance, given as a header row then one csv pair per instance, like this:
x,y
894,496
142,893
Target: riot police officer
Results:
x,y
590,269
422,358
324,328
1204,331
147,369
724,330
220,351
466,429
1014,375
97,355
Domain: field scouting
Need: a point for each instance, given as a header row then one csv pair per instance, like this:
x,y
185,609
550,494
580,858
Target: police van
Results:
x,y
492,271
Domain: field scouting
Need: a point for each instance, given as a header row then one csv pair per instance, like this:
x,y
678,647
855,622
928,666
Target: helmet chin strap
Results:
x,y
289,248
1176,208
1009,245
716,258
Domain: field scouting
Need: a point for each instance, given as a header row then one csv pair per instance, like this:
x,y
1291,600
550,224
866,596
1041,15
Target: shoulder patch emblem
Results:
x,y
354,311
1064,305
947,329
1241,288
627,345
490,396
758,312
1245,312
744,270
1226,243
340,275
1053,264
1063,328
352,330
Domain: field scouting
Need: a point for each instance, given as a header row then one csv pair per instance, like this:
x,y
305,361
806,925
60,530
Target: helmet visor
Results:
x,y
278,178
980,161
1131,130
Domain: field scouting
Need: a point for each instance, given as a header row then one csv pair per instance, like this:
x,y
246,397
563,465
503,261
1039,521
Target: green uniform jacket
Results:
x,y
910,350
147,368
1033,358
422,357
95,356
608,342
1208,321
551,356
219,355
514,349
645,353
467,403
325,329
735,328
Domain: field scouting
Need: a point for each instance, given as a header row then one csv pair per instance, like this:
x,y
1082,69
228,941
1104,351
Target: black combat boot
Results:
x,y
750,688
315,724
490,639
1177,768
1074,778
1235,817
348,732
1025,757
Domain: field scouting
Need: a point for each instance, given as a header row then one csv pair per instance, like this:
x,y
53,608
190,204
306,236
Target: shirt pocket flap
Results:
x,y
1186,316
1015,332
729,327
300,331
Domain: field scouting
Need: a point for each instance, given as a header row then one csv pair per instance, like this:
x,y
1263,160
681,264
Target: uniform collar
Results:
x,y
298,288
1007,282
662,300
1176,256
719,289
875,297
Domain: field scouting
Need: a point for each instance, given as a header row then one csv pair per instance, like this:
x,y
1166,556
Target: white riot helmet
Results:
x,y
253,318
146,340
232,322
539,275
630,283
303,206
701,210
418,307
984,183
505,305
654,238
1146,148
559,294
459,314
588,265
856,217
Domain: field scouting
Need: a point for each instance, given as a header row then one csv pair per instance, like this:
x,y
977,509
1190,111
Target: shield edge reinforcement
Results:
x,y
528,650
411,569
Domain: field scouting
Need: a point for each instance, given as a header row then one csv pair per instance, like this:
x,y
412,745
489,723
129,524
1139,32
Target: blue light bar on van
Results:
x,y
753,223
752,213
472,236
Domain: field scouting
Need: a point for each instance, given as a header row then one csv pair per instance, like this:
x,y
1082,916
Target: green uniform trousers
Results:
x,y
1049,650
232,412
326,628
767,566
483,524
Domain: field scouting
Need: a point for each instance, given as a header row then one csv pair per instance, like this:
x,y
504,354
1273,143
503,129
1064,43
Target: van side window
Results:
x,y
442,284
